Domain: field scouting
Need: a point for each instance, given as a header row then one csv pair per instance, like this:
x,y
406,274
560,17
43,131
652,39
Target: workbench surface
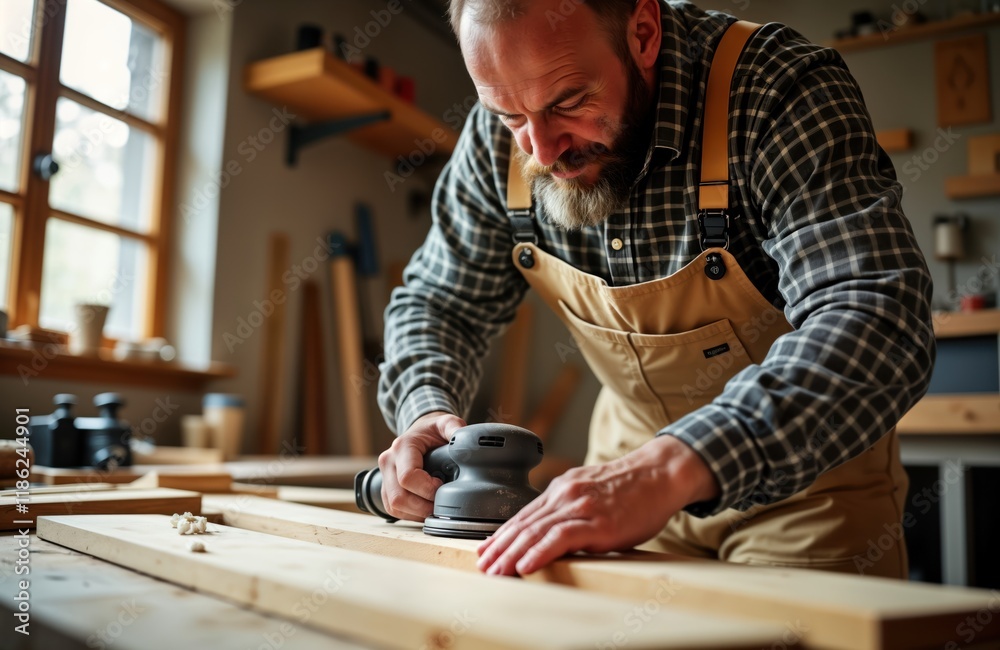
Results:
x,y
77,601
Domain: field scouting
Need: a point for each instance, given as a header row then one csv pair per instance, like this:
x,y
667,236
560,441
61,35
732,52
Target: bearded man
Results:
x,y
704,204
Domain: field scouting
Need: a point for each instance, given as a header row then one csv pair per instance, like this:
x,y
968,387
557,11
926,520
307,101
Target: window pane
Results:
x,y
105,167
11,129
84,265
112,58
6,233
17,28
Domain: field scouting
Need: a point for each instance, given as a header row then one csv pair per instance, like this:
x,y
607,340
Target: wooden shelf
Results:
x,y
953,414
317,86
972,187
40,363
896,140
916,33
949,325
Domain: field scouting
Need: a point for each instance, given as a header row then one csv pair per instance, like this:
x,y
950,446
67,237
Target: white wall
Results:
x,y
316,196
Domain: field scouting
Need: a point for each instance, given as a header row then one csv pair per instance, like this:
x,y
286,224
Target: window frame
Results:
x,y
31,202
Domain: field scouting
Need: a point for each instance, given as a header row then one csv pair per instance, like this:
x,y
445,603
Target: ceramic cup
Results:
x,y
86,337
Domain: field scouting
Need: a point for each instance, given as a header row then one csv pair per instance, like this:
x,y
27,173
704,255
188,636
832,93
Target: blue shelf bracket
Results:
x,y
302,136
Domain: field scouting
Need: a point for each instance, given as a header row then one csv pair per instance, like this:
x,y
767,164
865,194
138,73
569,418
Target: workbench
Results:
x,y
956,427
400,588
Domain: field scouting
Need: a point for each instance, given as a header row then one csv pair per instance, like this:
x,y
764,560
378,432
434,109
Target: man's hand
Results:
x,y
407,490
602,508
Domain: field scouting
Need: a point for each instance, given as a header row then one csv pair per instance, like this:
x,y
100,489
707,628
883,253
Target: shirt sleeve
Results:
x,y
461,288
856,290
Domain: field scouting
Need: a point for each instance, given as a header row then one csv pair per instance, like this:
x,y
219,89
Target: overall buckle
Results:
x,y
714,227
524,226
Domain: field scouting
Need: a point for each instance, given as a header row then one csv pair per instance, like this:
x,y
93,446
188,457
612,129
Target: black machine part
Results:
x,y
485,473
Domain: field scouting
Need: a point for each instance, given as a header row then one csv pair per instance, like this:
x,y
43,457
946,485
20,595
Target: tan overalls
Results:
x,y
664,348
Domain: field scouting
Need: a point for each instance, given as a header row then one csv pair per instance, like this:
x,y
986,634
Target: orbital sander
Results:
x,y
484,468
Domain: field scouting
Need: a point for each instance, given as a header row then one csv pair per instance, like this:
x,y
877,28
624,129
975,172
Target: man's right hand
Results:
x,y
407,490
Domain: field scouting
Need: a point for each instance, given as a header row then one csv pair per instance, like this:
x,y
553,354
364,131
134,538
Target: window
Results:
x,y
88,111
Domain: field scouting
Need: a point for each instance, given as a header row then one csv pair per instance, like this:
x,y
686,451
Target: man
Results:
x,y
758,335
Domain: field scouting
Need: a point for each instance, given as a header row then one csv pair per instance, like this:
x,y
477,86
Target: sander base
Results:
x,y
459,528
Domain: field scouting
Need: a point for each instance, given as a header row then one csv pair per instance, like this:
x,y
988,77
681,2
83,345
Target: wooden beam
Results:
x,y
99,502
896,140
218,482
350,349
273,356
509,394
312,360
361,593
949,325
836,610
336,498
960,414
79,602
555,401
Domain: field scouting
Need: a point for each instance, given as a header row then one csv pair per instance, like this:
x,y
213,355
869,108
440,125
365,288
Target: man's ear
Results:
x,y
644,33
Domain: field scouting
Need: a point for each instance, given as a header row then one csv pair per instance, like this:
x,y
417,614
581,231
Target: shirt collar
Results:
x,y
674,84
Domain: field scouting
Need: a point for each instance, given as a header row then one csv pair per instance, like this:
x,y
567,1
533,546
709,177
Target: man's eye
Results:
x,y
511,120
572,107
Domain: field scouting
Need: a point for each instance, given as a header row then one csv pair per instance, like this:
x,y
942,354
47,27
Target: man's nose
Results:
x,y
547,142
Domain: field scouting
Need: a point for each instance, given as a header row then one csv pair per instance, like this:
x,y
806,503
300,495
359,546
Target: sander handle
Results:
x,y
368,483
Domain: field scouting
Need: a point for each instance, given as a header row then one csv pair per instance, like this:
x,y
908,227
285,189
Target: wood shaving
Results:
x,y
189,524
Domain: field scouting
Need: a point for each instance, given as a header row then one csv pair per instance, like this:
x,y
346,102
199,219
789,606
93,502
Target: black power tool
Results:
x,y
485,473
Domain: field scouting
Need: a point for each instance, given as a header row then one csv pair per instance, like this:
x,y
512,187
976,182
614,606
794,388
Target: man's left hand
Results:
x,y
601,508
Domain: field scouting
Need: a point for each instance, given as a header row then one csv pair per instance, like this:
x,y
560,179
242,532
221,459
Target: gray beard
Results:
x,y
571,206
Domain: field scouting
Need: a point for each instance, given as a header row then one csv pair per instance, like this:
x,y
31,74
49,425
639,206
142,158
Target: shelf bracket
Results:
x,y
302,136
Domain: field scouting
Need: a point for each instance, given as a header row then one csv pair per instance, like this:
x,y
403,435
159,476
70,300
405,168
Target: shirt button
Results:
x,y
616,244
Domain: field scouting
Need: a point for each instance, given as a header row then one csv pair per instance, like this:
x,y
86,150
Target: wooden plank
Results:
x,y
896,140
288,469
273,360
197,482
160,501
508,397
79,602
836,610
350,346
312,361
62,489
984,155
958,324
12,460
972,187
425,604
159,455
120,475
338,499
964,414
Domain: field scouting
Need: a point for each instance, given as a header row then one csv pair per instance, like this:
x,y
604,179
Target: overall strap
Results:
x,y
519,204
713,191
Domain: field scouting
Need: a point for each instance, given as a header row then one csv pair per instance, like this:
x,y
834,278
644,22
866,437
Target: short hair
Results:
x,y
613,15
